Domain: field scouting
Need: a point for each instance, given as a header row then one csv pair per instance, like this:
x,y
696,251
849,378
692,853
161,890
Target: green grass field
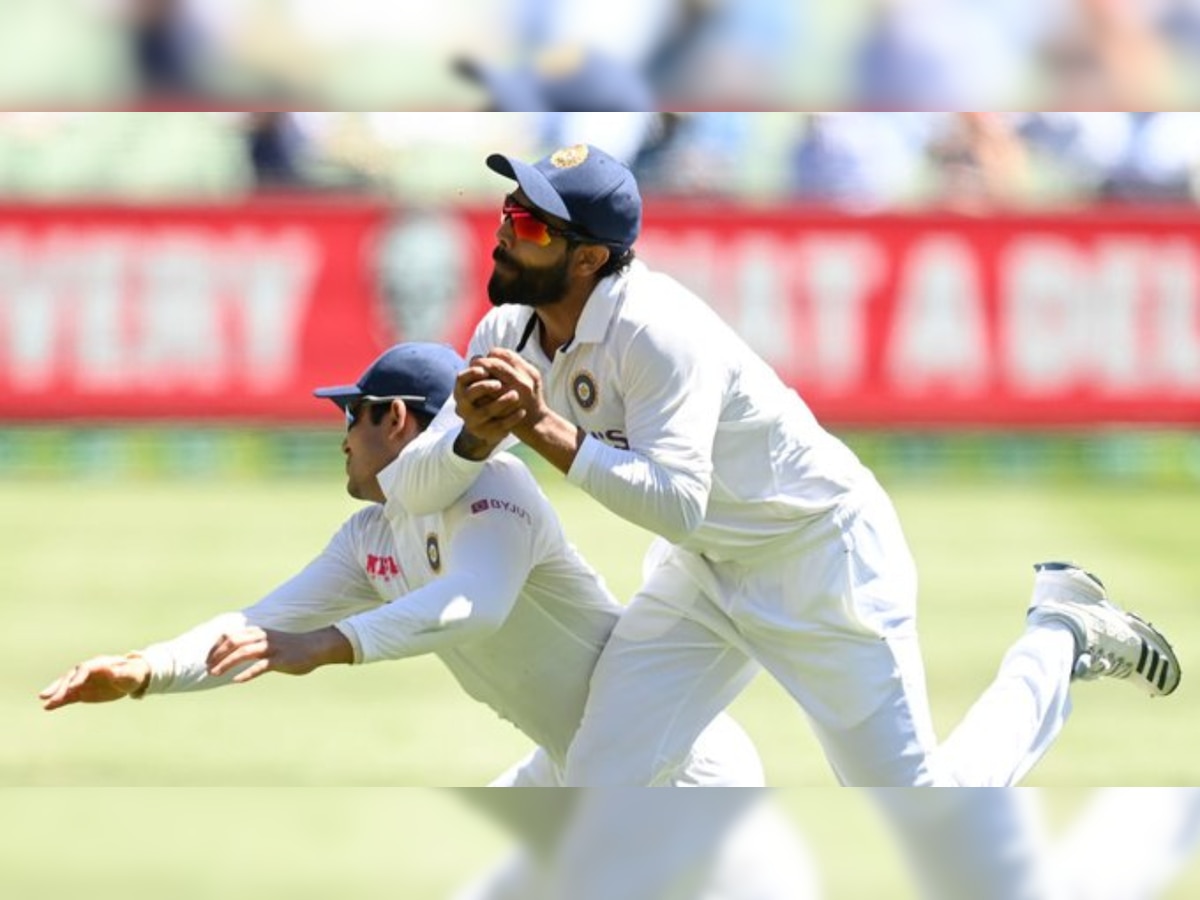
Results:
x,y
92,566
364,843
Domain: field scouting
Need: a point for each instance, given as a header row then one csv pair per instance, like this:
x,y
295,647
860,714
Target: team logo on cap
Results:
x,y
433,552
583,385
569,157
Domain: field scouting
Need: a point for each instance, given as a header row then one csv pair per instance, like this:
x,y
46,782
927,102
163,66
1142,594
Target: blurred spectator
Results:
x,y
937,55
1079,149
277,148
693,52
1178,21
163,47
583,95
980,162
1077,54
186,52
861,54
965,161
861,161
857,161
1161,161
695,154
733,53
562,78
631,32
1118,156
1103,54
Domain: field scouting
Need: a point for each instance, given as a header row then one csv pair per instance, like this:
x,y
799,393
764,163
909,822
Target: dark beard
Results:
x,y
529,286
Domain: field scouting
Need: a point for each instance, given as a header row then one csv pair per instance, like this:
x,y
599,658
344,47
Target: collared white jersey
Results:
x,y
691,434
490,584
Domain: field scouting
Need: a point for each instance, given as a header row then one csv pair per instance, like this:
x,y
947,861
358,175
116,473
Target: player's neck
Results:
x,y
558,320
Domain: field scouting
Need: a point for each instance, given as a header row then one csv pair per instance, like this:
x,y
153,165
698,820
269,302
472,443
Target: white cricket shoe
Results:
x,y
1112,643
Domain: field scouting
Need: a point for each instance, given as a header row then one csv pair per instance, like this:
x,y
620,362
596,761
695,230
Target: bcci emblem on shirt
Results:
x,y
433,552
583,386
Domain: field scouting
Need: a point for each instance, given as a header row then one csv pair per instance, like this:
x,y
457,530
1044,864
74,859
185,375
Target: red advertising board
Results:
x,y
943,319
237,312
214,312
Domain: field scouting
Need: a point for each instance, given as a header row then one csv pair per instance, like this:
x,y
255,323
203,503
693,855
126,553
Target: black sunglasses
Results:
x,y
354,409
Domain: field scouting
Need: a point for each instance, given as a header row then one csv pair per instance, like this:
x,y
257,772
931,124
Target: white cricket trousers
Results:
x,y
643,844
832,617
722,756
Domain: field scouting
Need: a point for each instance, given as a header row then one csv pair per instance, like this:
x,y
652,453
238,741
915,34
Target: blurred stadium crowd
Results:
x,y
691,54
858,161
573,71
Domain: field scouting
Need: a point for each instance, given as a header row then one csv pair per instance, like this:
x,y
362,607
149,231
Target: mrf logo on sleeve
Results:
x,y
385,568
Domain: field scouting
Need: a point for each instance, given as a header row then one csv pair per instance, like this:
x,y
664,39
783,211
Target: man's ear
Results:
x,y
398,421
590,258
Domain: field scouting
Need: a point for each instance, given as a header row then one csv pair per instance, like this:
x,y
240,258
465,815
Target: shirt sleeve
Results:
x,y
428,476
329,588
672,407
487,559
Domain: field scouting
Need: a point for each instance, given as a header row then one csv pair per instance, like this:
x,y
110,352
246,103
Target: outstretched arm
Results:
x,y
488,556
290,620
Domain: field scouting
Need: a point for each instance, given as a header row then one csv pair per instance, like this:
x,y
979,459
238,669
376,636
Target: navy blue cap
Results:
x,y
582,185
563,79
420,373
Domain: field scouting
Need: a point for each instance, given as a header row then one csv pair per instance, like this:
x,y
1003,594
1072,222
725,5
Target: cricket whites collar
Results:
x,y
601,307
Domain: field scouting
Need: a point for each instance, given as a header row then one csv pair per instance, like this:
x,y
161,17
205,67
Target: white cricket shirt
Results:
x,y
490,584
691,434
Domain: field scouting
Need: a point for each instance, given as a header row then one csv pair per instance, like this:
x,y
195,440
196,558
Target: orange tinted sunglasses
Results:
x,y
528,227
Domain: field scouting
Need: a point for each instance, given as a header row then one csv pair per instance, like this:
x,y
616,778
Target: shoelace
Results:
x,y
1116,645
1091,666
1114,666
1112,662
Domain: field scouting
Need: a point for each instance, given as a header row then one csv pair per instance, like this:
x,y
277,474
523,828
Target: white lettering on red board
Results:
x,y
1109,313
154,311
839,273
800,302
939,338
1120,317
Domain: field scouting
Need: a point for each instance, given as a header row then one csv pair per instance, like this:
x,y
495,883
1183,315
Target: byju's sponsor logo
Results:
x,y
481,506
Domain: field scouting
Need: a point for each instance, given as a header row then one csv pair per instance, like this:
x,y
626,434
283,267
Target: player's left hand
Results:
x,y
268,650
